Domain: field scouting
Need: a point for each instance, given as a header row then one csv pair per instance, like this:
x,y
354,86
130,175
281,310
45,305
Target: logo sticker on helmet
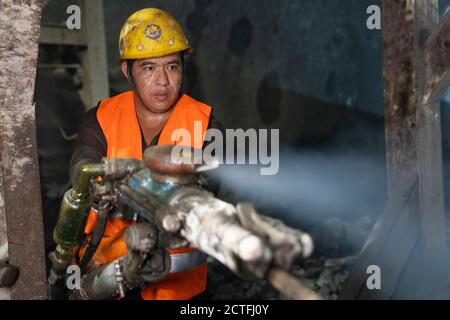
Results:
x,y
153,31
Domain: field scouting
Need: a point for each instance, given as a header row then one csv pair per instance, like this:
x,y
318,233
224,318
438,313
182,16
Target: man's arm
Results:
x,y
90,145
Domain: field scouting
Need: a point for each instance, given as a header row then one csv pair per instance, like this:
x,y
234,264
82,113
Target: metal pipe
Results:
x,y
73,213
87,171
69,226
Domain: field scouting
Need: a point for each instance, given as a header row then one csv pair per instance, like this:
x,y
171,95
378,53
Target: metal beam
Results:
x,y
399,50
62,36
437,61
432,264
94,59
412,251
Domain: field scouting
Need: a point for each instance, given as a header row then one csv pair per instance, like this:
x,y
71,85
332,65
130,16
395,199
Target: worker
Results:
x,y
152,49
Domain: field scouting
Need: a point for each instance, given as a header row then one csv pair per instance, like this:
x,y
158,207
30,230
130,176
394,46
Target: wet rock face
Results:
x,y
319,48
269,99
240,37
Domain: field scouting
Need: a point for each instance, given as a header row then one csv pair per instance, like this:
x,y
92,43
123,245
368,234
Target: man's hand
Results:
x,y
144,262
154,269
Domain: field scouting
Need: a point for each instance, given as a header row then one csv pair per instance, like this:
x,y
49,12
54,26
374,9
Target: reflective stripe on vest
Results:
x,y
186,261
120,126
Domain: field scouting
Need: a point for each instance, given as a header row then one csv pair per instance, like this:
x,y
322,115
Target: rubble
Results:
x,y
325,276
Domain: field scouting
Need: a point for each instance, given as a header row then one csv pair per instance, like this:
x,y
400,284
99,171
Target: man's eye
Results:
x,y
149,68
173,67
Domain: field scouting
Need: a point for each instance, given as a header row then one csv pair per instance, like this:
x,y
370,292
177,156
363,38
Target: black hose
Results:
x,y
92,246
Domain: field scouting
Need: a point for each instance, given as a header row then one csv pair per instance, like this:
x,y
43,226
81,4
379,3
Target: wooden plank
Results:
x,y
432,267
431,197
19,31
62,36
399,47
437,61
94,59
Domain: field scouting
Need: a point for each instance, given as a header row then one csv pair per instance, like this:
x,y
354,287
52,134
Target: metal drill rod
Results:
x,y
290,286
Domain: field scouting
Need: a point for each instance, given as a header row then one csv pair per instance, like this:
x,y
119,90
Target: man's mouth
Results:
x,y
161,96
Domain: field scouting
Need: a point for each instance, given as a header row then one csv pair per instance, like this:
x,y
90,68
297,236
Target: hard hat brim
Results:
x,y
156,55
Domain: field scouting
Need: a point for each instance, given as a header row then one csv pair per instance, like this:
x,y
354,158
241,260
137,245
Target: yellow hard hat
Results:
x,y
150,33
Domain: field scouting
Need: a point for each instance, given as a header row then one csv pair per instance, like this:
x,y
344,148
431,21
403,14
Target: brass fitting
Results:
x,y
69,226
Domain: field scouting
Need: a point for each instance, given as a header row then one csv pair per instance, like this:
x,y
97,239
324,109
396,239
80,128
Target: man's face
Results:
x,y
158,81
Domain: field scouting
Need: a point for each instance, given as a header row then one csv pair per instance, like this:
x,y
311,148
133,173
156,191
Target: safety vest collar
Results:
x,y
118,120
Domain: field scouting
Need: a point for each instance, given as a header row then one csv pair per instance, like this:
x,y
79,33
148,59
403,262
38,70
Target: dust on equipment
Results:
x,y
173,210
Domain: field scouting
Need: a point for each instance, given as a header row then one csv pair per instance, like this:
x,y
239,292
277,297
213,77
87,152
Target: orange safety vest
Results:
x,y
119,123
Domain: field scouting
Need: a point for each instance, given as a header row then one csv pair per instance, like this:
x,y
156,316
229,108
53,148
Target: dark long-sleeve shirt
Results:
x,y
91,145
